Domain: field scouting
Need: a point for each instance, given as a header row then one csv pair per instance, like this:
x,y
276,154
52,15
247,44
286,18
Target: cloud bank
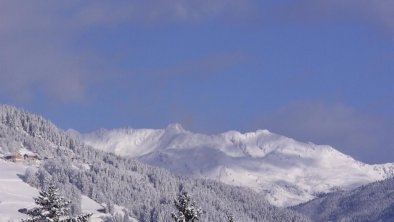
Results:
x,y
38,50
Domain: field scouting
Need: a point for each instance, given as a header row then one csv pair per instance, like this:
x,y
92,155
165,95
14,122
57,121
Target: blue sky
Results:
x,y
313,70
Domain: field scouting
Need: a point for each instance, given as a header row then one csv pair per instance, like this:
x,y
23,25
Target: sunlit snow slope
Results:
x,y
16,194
290,172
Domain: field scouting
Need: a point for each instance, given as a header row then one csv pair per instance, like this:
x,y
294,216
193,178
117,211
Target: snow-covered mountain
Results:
x,y
288,171
136,190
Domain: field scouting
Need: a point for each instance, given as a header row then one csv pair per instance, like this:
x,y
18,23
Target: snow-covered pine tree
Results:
x,y
80,218
52,207
187,211
230,218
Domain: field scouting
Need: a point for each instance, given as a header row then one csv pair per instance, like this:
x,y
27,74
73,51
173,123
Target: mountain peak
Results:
x,y
291,171
175,127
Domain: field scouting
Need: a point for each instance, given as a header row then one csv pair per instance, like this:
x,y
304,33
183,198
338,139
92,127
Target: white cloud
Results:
x,y
36,38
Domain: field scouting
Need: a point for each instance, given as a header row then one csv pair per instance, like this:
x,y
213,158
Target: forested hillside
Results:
x,y
372,202
147,192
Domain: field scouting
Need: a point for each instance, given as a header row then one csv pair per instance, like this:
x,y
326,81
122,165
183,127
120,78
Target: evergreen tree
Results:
x,y
52,207
187,211
230,218
80,218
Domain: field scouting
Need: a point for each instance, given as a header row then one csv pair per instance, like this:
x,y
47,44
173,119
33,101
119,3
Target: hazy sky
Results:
x,y
313,70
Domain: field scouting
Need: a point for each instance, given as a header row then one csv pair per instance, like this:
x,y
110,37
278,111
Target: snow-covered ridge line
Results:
x,y
110,179
290,172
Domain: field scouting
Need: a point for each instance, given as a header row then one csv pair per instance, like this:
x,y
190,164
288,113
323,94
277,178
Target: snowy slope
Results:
x,y
290,172
16,194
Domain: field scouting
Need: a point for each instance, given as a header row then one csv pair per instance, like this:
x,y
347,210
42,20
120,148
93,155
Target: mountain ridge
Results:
x,y
145,192
279,166
371,202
